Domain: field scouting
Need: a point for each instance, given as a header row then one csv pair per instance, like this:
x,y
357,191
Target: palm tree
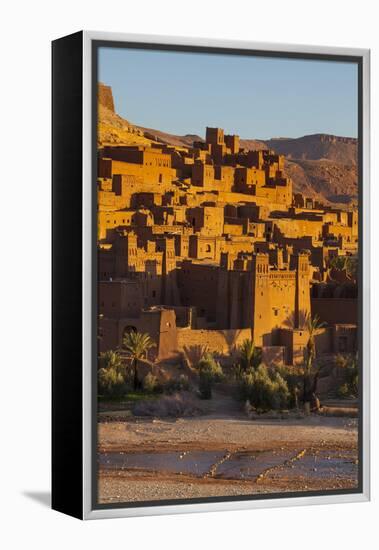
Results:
x,y
249,355
313,326
348,264
137,344
351,267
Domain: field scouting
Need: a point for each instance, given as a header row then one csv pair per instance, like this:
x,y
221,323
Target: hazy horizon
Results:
x,y
255,97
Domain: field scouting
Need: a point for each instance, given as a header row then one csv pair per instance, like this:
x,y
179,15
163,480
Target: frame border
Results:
x,y
66,292
91,41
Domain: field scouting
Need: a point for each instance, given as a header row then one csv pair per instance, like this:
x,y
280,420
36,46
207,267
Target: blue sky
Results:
x,y
255,97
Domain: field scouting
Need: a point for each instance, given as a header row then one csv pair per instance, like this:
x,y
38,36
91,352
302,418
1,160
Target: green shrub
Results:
x,y
249,356
175,385
210,371
294,376
349,364
205,385
343,391
209,365
110,360
150,383
236,372
264,388
111,380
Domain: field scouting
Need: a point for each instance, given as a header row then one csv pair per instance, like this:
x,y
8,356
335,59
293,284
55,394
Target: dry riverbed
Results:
x,y
215,455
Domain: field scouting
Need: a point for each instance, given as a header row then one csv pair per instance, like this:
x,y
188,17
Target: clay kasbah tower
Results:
x,y
206,246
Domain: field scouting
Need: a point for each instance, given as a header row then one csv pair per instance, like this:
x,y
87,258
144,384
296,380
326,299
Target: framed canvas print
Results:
x,y
210,275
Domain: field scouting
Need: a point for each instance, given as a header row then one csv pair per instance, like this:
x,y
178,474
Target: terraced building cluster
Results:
x,y
207,245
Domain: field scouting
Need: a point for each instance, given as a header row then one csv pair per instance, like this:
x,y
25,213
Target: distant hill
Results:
x,y
253,144
317,147
171,139
324,180
321,166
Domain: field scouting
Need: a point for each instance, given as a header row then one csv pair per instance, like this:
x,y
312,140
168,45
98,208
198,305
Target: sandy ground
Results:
x,y
208,432
128,488
297,440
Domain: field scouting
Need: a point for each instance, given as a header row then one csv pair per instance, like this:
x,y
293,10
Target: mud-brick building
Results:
x,y
147,165
251,293
120,312
207,244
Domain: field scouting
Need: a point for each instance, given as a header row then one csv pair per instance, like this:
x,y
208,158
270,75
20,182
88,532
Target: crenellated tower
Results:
x,y
260,271
126,254
300,262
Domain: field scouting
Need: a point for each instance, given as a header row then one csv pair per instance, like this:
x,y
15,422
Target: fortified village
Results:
x,y
208,245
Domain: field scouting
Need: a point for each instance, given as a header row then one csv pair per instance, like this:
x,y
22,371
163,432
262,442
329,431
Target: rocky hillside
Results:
x,y
113,129
321,166
317,147
171,139
324,180
253,144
